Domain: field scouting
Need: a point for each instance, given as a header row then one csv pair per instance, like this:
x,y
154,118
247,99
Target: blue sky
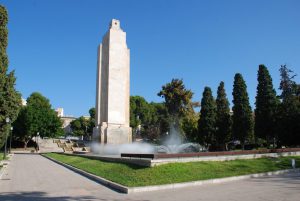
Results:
x,y
53,44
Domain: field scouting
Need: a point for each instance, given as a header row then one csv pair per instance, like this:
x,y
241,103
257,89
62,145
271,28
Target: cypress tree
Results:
x,y
207,121
242,127
266,104
223,119
10,99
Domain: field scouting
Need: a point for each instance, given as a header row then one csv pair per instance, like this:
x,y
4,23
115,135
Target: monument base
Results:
x,y
112,134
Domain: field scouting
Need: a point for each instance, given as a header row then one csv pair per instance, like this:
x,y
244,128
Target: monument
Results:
x,y
112,88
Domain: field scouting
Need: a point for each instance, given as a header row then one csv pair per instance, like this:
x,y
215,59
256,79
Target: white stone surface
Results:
x,y
112,96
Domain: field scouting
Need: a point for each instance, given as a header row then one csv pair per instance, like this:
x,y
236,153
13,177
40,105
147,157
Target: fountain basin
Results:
x,y
203,154
154,159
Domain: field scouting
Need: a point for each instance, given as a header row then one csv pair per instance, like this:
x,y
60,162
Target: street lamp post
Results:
x,y
11,133
37,141
85,131
7,120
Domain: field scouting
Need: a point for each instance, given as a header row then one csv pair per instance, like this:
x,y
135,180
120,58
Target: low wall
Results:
x,y
194,157
156,162
225,153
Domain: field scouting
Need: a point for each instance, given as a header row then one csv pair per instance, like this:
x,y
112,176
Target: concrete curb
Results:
x,y
128,190
206,182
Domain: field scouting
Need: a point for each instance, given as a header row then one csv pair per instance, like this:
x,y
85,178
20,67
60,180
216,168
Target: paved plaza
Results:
x,y
32,177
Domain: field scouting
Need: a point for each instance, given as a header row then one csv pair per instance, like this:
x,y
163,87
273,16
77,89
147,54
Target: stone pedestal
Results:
x,y
115,134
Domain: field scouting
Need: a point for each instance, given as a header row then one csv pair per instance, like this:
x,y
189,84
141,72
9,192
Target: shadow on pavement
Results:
x,y
40,196
43,196
288,180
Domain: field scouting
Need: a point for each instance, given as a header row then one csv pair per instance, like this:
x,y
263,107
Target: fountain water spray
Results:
x,y
172,144
117,149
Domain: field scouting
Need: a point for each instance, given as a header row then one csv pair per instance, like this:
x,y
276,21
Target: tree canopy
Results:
x,y
288,114
287,85
148,120
177,97
177,102
141,112
223,119
92,120
266,106
242,127
207,121
10,99
37,117
80,126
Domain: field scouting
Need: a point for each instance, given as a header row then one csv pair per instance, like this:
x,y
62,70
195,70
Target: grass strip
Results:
x,y
1,156
133,175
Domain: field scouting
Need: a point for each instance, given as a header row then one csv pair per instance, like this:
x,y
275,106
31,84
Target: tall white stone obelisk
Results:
x,y
112,96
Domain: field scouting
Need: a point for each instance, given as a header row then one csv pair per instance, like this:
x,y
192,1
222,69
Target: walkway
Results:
x,y
33,178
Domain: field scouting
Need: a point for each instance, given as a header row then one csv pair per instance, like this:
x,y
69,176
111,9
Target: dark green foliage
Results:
x,y
207,121
148,120
287,84
92,121
84,126
288,126
189,125
223,119
242,127
288,115
37,117
80,126
177,97
159,122
10,99
20,126
140,111
177,102
298,92
266,106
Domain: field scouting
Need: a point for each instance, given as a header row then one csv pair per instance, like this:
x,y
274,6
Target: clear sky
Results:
x,y
53,44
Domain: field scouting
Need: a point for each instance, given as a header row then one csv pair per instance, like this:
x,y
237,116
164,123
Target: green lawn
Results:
x,y
1,156
133,175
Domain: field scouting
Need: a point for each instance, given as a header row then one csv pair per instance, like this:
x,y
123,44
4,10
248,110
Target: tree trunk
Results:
x,y
25,144
243,145
226,146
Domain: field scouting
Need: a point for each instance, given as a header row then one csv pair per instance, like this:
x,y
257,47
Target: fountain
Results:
x,y
173,144
180,148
